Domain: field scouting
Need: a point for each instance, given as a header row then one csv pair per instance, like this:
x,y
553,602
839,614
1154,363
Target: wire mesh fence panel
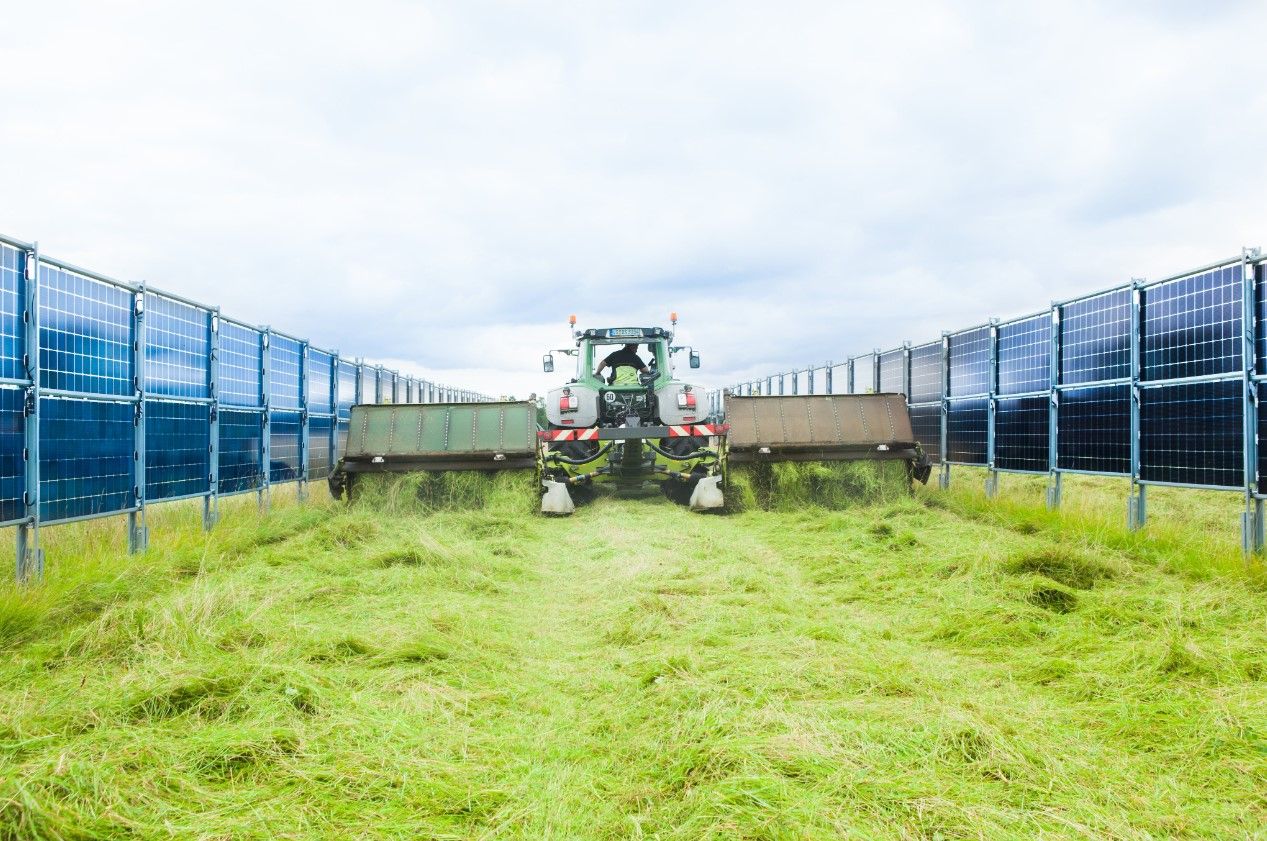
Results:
x,y
1095,429
177,449
1024,355
86,464
12,306
85,334
177,348
1191,326
241,449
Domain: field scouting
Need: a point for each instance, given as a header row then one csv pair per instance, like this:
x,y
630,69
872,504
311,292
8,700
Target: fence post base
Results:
x,y
992,484
1053,492
301,490
138,532
1137,508
943,477
30,557
1253,531
210,512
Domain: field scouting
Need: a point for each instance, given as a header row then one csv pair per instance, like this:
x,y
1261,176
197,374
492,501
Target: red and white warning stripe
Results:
x,y
702,430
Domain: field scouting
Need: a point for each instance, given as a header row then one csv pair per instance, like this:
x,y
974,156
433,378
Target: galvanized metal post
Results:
x,y
138,533
829,387
849,383
1053,412
906,372
809,373
1137,504
1252,527
334,413
29,553
991,406
875,370
211,502
301,487
780,383
944,476
266,422
796,384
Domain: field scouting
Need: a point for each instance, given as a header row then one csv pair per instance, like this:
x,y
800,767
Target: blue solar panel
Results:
x,y
1094,429
1021,433
893,371
970,362
319,447
1192,433
86,459
1095,338
12,443
864,374
284,447
241,363
1191,327
85,334
1025,355
177,449
398,389
347,388
926,423
1260,306
177,348
285,356
241,449
320,374
926,373
967,431
12,290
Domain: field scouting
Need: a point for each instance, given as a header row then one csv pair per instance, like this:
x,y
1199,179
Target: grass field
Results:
x,y
936,667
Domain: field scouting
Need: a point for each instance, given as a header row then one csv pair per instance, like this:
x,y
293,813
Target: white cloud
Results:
x,y
441,185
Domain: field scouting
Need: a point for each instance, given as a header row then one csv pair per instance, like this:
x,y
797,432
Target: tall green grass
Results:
x,y
936,666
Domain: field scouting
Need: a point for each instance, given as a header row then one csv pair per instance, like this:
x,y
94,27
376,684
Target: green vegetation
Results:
x,y
937,667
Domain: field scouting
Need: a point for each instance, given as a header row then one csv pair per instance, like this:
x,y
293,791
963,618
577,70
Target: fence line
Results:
x,y
1157,381
115,395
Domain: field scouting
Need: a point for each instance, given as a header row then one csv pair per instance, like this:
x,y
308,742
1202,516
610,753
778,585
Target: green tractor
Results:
x,y
625,420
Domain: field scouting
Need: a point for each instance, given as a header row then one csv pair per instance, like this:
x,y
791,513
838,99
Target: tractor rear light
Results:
x,y
568,402
688,419
686,400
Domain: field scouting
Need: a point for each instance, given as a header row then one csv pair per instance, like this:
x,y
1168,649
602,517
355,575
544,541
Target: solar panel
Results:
x,y
1021,433
893,371
1095,338
967,431
1191,327
177,449
241,449
85,457
1094,431
1260,306
12,445
970,362
285,355
840,379
864,374
1025,355
177,348
85,334
319,447
12,333
926,373
320,373
926,423
241,361
347,388
1192,433
398,389
285,428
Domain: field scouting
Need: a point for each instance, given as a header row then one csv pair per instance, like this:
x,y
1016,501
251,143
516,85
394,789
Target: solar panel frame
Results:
x,y
967,431
927,373
1094,430
86,463
1191,434
177,348
285,372
1191,326
285,446
893,371
319,455
320,370
864,377
12,449
969,358
1095,338
12,308
926,424
1024,355
86,333
1022,434
241,364
241,450
177,449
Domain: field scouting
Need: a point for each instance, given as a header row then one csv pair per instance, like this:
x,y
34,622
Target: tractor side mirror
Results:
x,y
694,359
547,363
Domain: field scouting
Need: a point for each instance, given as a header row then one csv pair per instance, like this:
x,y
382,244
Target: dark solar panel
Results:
x,y
1021,433
893,371
241,449
926,423
926,373
85,457
177,449
12,444
12,333
319,447
1192,433
967,430
1094,431
970,362
177,348
1095,338
1191,327
241,361
1025,355
285,428
85,334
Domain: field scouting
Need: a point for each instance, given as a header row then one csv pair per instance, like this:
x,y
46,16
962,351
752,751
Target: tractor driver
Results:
x,y
626,357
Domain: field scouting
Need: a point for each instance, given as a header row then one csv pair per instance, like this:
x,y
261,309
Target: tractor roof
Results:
x,y
629,334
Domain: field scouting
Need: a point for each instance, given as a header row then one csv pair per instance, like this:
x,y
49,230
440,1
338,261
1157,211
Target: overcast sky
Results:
x,y
440,185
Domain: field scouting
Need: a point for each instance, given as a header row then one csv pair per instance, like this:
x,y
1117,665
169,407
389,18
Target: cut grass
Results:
x,y
933,667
